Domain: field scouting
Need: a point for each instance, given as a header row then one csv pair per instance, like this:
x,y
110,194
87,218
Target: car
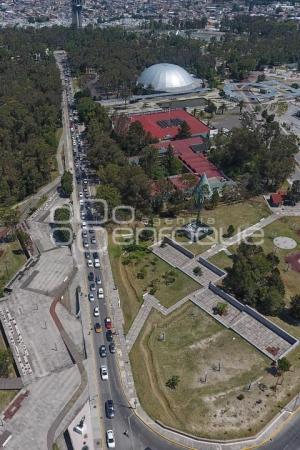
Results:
x,y
98,280
80,194
84,234
108,323
95,255
89,263
109,336
104,372
97,263
85,181
112,347
96,311
87,255
91,297
91,231
110,439
81,202
102,351
85,244
100,295
100,290
91,276
84,225
93,240
109,409
92,287
97,327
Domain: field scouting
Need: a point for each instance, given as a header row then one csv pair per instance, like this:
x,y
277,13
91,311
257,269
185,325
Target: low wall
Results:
x,y
253,313
211,267
178,247
29,263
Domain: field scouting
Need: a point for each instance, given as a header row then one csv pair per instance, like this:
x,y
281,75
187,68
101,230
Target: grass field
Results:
x,y
221,260
11,260
240,215
5,398
154,270
195,344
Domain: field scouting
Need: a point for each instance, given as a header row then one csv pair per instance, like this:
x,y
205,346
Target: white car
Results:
x,y
100,294
96,311
84,225
104,373
110,439
96,263
80,194
91,297
89,263
81,202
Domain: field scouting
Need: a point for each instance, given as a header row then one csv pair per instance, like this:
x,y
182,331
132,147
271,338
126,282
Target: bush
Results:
x,y
197,271
240,397
172,382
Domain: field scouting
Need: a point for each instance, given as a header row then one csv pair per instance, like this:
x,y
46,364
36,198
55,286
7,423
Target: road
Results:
x,y
288,438
139,436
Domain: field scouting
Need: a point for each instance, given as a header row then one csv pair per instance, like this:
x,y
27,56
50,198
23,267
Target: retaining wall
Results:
x,y
253,313
178,247
211,267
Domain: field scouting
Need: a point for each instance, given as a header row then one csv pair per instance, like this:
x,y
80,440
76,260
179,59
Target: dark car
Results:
x,y
109,409
95,255
109,335
91,276
112,347
102,351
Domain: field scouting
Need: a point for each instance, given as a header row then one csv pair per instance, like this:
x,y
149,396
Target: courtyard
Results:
x,y
142,271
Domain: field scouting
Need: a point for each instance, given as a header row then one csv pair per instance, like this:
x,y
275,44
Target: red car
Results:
x,y
107,323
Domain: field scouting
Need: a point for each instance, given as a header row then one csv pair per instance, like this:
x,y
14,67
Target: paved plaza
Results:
x,y
47,396
252,330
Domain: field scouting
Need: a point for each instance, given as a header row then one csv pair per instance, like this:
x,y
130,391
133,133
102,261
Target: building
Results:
x,y
192,153
168,78
166,124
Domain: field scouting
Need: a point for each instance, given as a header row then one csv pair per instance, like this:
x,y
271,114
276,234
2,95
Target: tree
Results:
x,y
184,131
221,308
255,280
215,198
223,108
173,382
109,194
211,108
67,183
241,105
9,217
230,231
197,271
283,365
150,163
295,307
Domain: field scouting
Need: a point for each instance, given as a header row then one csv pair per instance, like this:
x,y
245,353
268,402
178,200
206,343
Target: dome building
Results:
x,y
168,78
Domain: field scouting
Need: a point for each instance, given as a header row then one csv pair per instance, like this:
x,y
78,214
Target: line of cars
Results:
x,y
89,242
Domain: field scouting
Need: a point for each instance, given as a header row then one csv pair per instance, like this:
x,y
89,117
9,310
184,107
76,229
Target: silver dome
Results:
x,y
166,78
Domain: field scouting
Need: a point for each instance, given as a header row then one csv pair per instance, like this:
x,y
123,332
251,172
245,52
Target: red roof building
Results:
x,y
166,124
189,152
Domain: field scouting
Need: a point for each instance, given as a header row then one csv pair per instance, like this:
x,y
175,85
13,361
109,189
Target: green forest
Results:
x,y
30,92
